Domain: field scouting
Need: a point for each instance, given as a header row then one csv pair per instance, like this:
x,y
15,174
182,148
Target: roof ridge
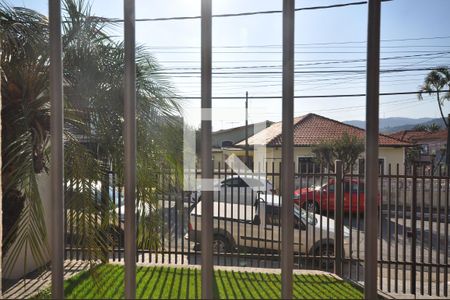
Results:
x,y
358,128
301,118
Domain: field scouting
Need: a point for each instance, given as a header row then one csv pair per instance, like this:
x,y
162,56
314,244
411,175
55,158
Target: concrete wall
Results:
x,y
25,262
393,156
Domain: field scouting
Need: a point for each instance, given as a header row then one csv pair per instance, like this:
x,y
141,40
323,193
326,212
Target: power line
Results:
x,y
297,52
297,72
267,12
314,64
307,96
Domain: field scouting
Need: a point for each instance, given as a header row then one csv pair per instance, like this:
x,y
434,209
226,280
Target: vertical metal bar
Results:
x,y
1,190
405,187
247,161
430,232
226,207
121,236
358,232
328,216
313,261
397,178
307,258
57,149
320,213
414,230
130,149
196,237
446,233
287,208
350,221
169,211
388,222
438,229
160,180
371,146
206,159
380,228
338,211
182,218
177,215
218,218
422,234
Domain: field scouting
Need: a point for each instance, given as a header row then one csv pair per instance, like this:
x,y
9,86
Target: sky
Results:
x,y
414,35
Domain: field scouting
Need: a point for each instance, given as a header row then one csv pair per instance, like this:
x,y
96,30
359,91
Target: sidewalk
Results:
x,y
35,281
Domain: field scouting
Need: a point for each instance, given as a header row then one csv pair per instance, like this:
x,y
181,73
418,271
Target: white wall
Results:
x,y
25,262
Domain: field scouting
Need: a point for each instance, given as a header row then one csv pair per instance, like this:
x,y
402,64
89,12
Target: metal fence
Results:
x,y
412,226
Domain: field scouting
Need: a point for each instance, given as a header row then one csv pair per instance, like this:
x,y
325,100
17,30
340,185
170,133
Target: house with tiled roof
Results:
x,y
311,130
429,147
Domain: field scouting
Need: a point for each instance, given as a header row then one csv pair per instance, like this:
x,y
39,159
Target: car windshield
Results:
x,y
306,217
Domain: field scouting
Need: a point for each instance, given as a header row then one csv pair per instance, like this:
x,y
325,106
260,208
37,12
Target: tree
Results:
x,y
93,86
433,127
435,82
346,148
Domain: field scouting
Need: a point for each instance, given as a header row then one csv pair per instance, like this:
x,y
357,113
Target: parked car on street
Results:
x,y
322,198
258,226
238,189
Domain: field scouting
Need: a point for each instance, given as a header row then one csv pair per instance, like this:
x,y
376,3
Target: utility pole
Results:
x,y
246,130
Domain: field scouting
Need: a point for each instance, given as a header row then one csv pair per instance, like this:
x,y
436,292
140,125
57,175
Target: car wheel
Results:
x,y
312,206
325,251
221,244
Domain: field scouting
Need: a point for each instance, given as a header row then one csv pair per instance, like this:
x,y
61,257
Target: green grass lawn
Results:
x,y
183,283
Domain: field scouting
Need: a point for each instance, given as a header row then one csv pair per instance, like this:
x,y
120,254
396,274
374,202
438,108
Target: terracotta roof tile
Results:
x,y
418,136
313,129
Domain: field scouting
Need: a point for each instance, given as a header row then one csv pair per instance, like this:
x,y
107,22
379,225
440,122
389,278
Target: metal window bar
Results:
x,y
130,149
438,246
380,228
206,156
371,146
397,179
57,149
287,208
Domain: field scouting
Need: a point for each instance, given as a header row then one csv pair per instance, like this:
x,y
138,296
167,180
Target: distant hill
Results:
x,y
438,121
387,124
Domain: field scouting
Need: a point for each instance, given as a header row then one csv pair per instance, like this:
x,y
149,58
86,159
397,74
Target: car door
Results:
x,y
272,228
327,197
347,195
299,235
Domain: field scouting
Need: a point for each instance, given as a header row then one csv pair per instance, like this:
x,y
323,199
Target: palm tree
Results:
x,y
93,86
436,81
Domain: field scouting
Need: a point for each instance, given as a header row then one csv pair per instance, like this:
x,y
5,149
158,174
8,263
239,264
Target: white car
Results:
x,y
239,189
258,226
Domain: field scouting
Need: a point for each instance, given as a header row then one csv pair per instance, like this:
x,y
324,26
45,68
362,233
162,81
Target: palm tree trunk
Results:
x,y
440,109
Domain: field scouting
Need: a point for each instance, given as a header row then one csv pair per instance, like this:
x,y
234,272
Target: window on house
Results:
x,y
381,165
306,165
362,163
424,149
227,143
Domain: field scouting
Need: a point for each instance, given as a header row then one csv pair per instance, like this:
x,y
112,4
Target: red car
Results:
x,y
322,197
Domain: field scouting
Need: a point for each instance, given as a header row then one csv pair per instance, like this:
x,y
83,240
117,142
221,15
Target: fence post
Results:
x,y
339,208
413,230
